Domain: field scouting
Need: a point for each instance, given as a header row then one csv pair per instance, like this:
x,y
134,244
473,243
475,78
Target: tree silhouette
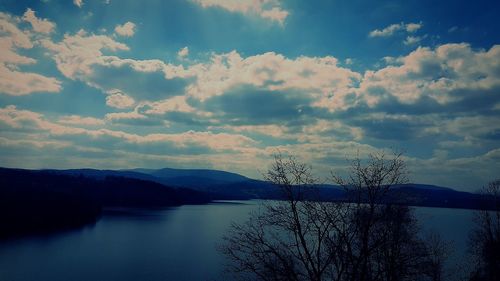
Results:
x,y
485,238
304,238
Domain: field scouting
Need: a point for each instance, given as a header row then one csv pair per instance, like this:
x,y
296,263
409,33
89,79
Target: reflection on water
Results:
x,y
164,244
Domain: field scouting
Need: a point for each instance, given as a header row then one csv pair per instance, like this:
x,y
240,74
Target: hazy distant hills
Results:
x,y
44,200
178,176
222,185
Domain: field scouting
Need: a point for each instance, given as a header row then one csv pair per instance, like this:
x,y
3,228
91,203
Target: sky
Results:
x,y
224,84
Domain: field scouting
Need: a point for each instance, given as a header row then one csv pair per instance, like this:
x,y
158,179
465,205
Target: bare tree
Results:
x,y
292,239
485,237
304,238
438,251
369,181
366,185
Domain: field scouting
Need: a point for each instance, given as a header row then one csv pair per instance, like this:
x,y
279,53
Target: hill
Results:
x,y
47,200
222,185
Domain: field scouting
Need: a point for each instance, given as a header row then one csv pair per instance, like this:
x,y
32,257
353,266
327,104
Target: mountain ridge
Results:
x,y
222,185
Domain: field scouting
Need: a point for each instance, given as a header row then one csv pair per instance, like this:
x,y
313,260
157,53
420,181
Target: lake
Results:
x,y
168,244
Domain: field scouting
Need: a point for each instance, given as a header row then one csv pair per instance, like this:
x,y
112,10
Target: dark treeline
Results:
x,y
418,195
42,201
229,186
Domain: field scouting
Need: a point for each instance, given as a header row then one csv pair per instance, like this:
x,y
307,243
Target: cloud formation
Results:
x,y
184,52
78,3
450,73
320,77
14,81
393,28
76,54
127,29
118,99
410,40
13,118
267,9
80,120
38,25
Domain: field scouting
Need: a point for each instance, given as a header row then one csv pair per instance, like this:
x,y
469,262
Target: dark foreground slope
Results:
x,y
43,201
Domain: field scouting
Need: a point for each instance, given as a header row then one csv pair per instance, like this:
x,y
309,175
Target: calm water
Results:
x,y
170,244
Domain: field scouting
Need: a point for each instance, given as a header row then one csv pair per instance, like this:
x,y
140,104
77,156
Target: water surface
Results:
x,y
169,244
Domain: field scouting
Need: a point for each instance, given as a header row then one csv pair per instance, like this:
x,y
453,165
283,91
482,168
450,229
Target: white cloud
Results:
x,y
170,70
124,115
12,80
118,99
17,83
9,56
411,40
267,9
391,60
412,27
275,14
78,3
391,29
184,52
215,141
25,119
23,144
386,32
38,25
8,28
80,120
15,118
276,131
75,54
443,74
332,129
467,127
174,104
127,29
317,77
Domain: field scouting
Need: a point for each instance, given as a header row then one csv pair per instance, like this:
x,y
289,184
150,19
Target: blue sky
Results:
x,y
223,84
